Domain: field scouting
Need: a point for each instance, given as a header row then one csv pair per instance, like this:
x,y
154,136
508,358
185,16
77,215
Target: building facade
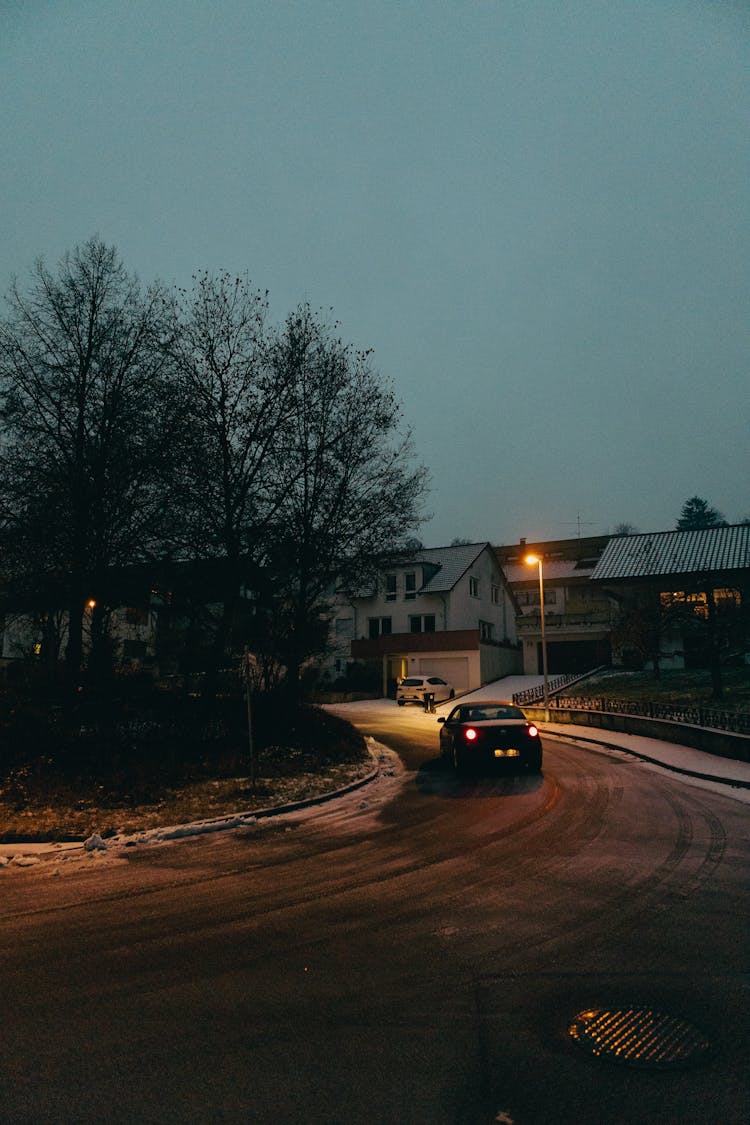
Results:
x,y
577,615
680,598
467,612
445,610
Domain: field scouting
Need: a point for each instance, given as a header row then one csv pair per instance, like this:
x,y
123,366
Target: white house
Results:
x,y
447,610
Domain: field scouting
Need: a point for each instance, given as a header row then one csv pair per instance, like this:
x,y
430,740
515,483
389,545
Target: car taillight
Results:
x,y
532,731
470,734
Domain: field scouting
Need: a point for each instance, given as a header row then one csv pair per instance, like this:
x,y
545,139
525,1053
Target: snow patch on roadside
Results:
x,y
386,765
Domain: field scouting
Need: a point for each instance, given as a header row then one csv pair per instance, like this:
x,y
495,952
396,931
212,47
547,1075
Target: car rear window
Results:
x,y
411,683
478,714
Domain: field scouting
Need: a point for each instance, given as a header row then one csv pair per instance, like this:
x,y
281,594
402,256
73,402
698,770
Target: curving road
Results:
x,y
412,952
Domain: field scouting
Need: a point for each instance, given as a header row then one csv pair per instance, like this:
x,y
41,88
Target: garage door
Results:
x,y
454,669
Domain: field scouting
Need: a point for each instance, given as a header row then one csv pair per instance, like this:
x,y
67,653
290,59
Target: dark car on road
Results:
x,y
487,734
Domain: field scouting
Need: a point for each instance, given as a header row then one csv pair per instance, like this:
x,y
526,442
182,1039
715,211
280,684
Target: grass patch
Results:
x,y
679,687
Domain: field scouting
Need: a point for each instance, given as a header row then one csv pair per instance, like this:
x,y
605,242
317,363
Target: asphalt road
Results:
x,y
412,953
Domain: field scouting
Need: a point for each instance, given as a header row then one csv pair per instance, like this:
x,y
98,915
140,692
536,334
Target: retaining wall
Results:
x,y
724,744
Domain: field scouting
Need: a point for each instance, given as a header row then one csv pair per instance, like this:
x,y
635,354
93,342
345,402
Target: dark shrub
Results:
x,y
131,749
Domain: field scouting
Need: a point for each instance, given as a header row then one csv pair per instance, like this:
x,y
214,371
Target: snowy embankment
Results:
x,y
384,763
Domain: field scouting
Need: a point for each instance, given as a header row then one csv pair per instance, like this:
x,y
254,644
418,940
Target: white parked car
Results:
x,y
414,688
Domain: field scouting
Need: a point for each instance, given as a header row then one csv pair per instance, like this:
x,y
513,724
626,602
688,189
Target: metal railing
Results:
x,y
531,622
713,717
536,693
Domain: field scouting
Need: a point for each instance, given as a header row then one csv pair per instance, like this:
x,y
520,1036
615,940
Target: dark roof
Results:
x,y
452,561
711,549
443,567
587,547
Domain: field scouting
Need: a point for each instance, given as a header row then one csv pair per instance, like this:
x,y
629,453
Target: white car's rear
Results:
x,y
413,689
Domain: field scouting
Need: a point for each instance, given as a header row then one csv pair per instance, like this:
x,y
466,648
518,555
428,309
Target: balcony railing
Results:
x,y
531,622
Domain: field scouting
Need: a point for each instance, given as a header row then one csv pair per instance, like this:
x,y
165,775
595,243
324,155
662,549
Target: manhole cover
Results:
x,y
638,1037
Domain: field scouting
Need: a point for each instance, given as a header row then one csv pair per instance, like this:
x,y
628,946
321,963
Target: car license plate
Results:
x,y
511,753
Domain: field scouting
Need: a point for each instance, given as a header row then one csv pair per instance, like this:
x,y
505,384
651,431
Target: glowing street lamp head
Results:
x,y
531,560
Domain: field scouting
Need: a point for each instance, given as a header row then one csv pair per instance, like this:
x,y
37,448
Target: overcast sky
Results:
x,y
535,212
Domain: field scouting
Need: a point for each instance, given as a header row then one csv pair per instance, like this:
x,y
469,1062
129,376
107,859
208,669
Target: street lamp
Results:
x,y
536,560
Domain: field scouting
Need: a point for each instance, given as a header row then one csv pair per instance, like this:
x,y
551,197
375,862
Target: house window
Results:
x,y
390,587
473,586
344,626
486,631
410,584
531,597
495,594
697,603
422,623
378,627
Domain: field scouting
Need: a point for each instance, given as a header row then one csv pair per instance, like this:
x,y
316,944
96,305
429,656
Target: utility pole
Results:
x,y
246,674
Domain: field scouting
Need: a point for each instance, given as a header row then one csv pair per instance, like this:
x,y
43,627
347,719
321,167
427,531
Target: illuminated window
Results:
x,y
724,598
728,599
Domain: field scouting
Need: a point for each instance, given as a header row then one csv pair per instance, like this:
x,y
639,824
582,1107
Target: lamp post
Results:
x,y
536,560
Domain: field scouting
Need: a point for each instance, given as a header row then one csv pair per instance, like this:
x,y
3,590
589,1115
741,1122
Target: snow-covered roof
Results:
x,y
553,570
710,549
453,562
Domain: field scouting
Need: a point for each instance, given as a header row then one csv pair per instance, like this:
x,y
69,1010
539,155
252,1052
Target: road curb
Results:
x,y
320,798
54,848
735,783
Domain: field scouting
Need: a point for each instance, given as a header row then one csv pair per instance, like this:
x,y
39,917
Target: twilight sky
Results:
x,y
535,212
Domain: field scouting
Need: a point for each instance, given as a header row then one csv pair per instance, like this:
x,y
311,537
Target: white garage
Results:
x,y
454,669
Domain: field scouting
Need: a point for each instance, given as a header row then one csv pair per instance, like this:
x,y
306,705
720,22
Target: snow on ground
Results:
x,y
710,772
386,765
507,687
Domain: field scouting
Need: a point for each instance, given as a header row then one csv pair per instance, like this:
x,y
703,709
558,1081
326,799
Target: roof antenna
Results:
x,y
579,523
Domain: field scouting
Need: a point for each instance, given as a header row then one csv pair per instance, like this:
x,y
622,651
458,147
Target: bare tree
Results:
x,y
641,627
351,491
82,415
236,405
